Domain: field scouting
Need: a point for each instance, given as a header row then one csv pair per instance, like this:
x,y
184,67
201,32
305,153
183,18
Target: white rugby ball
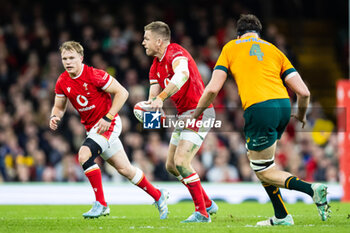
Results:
x,y
142,107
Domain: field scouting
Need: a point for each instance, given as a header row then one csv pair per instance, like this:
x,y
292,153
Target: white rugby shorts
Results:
x,y
108,141
193,134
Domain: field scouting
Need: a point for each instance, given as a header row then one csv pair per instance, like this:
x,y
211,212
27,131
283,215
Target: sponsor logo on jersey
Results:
x,y
87,108
82,100
166,81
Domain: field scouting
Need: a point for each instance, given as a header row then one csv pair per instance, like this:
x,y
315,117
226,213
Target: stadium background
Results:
x,y
313,34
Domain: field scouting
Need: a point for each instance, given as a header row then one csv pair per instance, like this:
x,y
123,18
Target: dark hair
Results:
x,y
248,23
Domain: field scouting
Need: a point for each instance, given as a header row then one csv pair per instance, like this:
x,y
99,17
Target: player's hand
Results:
x,y
157,104
301,119
103,126
54,121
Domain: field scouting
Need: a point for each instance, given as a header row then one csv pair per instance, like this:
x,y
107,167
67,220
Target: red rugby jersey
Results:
x,y
161,72
86,93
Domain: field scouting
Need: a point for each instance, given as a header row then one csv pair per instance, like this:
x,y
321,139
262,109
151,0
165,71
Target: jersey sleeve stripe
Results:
x,y
153,81
108,83
60,95
291,75
181,57
285,73
223,68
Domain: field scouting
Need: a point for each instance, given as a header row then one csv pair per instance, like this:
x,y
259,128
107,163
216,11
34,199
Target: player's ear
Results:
x,y
81,58
159,41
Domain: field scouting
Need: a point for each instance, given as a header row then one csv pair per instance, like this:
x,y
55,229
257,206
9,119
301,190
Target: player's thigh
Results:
x,y
110,140
170,164
106,139
264,154
189,143
196,134
120,161
185,152
174,142
175,136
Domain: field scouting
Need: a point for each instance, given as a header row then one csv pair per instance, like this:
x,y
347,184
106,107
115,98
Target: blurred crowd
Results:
x,y
111,34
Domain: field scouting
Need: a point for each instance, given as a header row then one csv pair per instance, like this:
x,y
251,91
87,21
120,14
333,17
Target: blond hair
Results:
x,y
72,46
159,28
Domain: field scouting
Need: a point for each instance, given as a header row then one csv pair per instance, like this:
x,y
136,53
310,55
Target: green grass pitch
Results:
x,y
238,218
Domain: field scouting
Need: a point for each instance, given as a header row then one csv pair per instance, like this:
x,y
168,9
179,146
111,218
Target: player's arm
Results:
x,y
120,96
180,77
58,111
154,90
297,85
218,79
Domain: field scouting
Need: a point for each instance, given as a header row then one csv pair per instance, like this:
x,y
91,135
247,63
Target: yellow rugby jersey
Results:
x,y
258,67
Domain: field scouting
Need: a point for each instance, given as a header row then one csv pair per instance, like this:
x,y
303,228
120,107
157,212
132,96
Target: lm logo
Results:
x,y
151,120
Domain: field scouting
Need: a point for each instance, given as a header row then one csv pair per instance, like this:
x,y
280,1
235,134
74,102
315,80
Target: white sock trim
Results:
x,y
137,177
179,178
90,168
191,179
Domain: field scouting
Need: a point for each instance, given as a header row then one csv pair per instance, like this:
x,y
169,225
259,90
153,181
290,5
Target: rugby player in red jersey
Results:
x,y
174,75
89,90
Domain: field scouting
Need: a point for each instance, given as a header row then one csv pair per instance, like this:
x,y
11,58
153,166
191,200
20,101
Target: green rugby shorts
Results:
x,y
265,122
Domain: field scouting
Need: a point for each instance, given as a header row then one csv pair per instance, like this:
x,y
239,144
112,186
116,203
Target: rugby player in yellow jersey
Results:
x,y
261,72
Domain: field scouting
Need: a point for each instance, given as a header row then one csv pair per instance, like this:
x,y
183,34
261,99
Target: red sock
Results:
x,y
141,181
193,184
205,196
95,178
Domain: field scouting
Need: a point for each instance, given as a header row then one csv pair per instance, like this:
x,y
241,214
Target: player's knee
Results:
x,y
170,167
265,176
261,176
88,153
179,161
84,154
182,162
